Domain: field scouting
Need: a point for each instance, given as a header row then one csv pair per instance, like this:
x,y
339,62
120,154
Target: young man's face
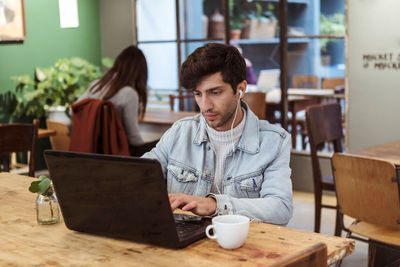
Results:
x,y
217,101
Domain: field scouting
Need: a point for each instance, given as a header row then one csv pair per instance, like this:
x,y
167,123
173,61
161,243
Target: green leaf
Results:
x,y
23,79
34,188
40,75
107,62
42,177
42,186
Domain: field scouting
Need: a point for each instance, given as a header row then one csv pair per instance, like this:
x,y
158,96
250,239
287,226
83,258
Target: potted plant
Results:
x,y
329,25
236,18
261,22
236,28
53,88
47,210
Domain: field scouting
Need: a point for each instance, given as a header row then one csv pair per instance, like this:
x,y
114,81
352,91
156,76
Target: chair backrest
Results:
x,y
367,189
324,124
20,137
257,103
332,83
61,140
183,102
97,129
305,81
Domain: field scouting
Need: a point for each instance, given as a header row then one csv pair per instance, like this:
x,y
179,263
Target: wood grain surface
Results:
x,y
165,117
25,242
42,133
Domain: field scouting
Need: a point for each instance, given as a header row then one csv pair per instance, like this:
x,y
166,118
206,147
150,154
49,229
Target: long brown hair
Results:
x,y
129,69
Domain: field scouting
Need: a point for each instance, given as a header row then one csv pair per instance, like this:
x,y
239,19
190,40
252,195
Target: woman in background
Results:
x,y
125,86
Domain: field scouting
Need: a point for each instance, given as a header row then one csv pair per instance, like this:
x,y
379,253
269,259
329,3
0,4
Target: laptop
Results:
x,y
268,79
119,197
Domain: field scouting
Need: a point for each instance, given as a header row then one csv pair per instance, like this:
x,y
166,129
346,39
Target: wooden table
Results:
x,y
42,133
319,93
164,117
156,122
387,151
24,242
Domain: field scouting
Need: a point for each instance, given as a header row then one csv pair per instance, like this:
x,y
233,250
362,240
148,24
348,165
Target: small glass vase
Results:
x,y
47,209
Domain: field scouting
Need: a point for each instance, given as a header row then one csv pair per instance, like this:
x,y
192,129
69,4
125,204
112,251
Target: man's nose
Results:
x,y
204,103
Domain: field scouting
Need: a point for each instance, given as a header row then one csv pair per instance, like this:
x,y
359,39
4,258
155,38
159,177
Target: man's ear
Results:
x,y
242,86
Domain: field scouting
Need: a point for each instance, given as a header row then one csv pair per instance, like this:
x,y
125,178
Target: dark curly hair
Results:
x,y
210,59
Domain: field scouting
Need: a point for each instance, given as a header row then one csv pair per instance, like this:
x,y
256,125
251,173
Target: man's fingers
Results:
x,y
178,200
197,205
175,204
190,206
171,198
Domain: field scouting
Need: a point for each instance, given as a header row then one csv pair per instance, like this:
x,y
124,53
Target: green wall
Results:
x,y
46,41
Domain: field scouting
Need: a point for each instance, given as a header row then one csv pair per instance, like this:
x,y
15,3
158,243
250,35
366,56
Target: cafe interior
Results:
x,y
327,71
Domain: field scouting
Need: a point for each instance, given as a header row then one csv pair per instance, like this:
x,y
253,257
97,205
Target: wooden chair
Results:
x,y
324,126
332,83
367,190
336,84
20,137
304,81
106,132
257,103
183,102
97,128
61,140
5,163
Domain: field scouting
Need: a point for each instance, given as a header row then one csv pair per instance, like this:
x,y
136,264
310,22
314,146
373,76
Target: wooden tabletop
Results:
x,y
387,151
42,133
25,242
165,117
297,94
323,93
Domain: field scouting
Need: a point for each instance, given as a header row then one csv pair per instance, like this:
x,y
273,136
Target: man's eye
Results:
x,y
215,92
196,94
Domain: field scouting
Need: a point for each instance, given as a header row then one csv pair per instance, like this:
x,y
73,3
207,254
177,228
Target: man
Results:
x,y
225,160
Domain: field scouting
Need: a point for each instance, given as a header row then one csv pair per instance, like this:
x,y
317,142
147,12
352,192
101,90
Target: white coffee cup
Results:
x,y
229,230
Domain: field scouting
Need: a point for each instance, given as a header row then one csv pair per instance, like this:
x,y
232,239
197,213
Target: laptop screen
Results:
x,y
268,79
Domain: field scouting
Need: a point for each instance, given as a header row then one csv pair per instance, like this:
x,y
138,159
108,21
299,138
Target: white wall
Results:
x,y
116,21
374,90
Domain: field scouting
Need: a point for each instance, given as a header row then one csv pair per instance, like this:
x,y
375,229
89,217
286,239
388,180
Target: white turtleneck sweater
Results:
x,y
223,143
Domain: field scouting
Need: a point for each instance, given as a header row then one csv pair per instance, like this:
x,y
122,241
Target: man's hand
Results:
x,y
198,205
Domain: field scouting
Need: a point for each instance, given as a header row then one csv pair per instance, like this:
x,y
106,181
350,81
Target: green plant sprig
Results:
x,y
42,186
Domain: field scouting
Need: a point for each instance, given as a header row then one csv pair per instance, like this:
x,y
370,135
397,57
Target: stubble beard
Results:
x,y
223,121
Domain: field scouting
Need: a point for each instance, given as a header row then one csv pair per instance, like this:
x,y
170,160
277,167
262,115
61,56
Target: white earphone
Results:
x,y
240,93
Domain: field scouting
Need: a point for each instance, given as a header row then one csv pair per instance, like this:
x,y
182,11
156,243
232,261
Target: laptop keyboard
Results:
x,y
186,218
186,225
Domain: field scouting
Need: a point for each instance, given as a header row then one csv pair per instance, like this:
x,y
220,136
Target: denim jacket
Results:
x,y
256,180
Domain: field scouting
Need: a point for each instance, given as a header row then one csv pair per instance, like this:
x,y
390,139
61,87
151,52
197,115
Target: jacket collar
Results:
x,y
249,141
